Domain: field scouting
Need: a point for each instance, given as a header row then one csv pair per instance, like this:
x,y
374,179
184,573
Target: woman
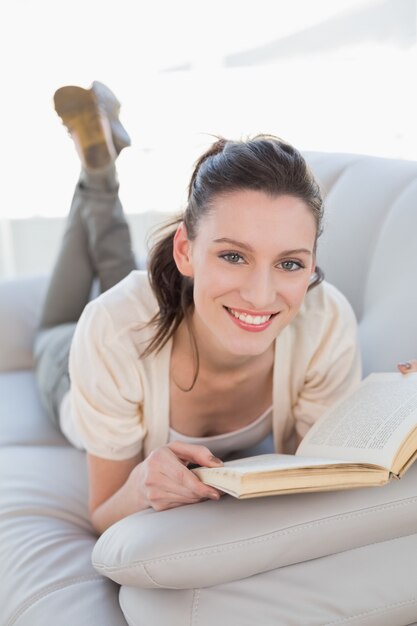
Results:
x,y
231,334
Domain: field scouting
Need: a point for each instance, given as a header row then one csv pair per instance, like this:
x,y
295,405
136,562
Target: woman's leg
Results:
x,y
108,234
73,272
96,243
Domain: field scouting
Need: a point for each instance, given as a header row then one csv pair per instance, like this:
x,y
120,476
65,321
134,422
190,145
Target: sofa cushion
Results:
x,y
361,194
369,586
46,541
22,418
215,542
21,301
368,249
387,329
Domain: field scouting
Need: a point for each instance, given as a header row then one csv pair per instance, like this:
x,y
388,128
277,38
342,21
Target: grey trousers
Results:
x,y
96,245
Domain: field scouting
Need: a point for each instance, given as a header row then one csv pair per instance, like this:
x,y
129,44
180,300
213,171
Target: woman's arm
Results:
x,y
107,486
162,481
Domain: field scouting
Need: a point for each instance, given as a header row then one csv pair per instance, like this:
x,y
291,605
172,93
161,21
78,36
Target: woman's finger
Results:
x,y
167,494
167,473
162,499
192,453
408,366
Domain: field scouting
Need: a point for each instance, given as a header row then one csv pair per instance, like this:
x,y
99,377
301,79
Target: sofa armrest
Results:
x,y
20,306
210,543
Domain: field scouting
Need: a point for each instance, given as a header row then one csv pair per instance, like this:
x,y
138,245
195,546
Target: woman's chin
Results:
x,y
246,348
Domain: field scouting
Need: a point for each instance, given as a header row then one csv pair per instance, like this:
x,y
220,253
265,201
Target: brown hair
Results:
x,y
265,163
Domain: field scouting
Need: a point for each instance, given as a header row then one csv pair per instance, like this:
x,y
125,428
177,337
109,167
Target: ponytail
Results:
x,y
173,291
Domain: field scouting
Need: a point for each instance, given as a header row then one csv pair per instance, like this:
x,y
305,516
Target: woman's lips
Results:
x,y
251,327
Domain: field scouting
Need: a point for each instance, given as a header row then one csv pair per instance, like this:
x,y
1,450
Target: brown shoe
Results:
x,y
88,125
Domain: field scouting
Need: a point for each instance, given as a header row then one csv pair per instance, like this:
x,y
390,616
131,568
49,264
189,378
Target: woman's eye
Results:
x,y
232,257
291,266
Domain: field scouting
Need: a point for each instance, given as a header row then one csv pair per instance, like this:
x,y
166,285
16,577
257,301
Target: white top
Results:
x,y
230,443
119,402
220,445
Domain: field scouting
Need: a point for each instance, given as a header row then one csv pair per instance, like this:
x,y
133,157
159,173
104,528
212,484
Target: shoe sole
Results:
x,y
89,128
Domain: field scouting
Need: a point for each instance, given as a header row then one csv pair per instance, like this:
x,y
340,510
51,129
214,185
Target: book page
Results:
x,y
269,474
369,425
271,462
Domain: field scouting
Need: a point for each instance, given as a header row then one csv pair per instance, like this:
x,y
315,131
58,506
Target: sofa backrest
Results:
x,y
369,248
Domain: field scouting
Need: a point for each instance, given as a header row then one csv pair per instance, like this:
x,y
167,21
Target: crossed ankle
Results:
x,y
105,179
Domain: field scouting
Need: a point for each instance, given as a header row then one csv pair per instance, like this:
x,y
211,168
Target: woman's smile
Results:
x,y
250,321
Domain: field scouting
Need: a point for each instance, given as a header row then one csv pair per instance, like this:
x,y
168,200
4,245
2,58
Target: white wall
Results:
x,y
30,246
325,75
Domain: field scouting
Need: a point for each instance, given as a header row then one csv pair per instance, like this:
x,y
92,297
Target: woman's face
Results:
x,y
251,264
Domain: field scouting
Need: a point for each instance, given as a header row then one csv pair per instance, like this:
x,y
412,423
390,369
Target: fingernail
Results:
x,y
214,459
214,495
406,364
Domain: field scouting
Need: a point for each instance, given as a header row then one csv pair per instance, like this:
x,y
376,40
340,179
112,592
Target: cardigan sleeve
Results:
x,y
106,391
334,368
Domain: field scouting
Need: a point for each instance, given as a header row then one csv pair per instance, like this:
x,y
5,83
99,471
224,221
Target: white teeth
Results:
x,y
250,319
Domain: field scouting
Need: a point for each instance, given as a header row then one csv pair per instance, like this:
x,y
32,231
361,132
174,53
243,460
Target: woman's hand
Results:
x,y
408,366
163,481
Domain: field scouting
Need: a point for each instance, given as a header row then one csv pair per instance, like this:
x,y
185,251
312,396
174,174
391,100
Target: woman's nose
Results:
x,y
259,290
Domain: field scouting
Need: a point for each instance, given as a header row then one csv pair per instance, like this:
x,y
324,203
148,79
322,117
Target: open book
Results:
x,y
367,439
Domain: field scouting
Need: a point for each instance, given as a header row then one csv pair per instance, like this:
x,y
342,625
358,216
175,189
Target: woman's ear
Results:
x,y
182,251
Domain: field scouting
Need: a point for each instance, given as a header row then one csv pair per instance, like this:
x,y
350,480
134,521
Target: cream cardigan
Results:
x,y
119,402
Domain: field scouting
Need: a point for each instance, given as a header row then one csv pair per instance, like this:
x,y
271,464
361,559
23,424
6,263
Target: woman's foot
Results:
x,y
91,117
111,106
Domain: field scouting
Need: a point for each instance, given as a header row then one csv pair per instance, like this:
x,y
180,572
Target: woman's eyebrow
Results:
x,y
248,247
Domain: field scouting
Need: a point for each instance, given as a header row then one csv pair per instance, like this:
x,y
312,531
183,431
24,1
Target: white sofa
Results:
x,y
342,557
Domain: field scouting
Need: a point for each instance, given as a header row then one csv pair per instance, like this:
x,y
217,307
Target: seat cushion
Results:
x,y
22,418
46,541
374,585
